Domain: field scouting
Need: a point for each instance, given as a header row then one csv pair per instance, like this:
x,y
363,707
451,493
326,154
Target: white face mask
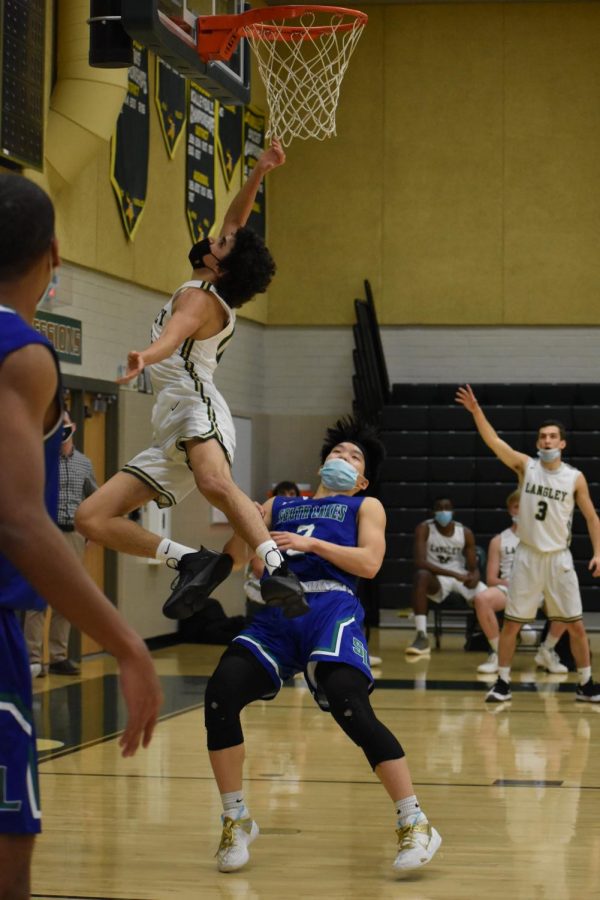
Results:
x,y
48,300
515,519
549,455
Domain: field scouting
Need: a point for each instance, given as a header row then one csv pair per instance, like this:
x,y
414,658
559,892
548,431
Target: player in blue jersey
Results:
x,y
35,560
330,540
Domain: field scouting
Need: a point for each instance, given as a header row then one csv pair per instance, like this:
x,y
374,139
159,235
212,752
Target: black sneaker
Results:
x,y
198,575
500,693
282,588
63,667
588,692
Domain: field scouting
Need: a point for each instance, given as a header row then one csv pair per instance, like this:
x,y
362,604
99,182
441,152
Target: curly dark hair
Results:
x,y
364,436
246,270
26,225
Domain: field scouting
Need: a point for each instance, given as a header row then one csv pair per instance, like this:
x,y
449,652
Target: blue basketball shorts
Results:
x,y
19,790
330,632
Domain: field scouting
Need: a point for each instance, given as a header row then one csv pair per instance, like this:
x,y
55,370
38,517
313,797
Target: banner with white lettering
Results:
x,y
169,96
229,140
254,142
130,145
64,334
200,163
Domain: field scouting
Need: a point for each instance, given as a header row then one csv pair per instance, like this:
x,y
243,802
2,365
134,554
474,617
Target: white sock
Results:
x,y
409,811
504,673
550,642
270,554
585,673
493,642
421,623
168,549
234,806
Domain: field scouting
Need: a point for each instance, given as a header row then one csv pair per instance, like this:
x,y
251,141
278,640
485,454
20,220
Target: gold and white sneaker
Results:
x,y
237,836
417,844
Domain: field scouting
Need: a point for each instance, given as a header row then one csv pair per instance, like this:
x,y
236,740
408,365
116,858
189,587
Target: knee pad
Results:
x,y
350,707
221,717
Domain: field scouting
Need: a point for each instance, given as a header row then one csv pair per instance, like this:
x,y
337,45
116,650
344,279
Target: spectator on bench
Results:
x,y
501,555
445,563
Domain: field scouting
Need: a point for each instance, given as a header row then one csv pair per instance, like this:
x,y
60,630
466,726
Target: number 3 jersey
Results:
x,y
332,519
546,506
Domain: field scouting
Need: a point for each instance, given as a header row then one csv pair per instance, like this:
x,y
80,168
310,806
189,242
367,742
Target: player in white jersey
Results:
x,y
543,563
501,556
445,563
193,434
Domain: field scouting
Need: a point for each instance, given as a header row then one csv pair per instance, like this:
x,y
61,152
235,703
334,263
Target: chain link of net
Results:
x,y
302,65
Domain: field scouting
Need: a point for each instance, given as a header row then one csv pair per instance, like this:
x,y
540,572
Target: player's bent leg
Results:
x,y
486,604
346,689
238,680
500,692
15,866
102,516
212,474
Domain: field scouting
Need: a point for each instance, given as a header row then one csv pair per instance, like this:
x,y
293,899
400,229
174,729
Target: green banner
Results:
x,y
169,96
229,140
64,334
200,163
254,142
131,145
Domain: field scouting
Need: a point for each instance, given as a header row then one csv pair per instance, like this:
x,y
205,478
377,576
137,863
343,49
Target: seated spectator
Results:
x,y
501,555
445,563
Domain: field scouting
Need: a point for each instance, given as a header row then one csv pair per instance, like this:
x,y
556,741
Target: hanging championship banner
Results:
x,y
130,145
229,140
254,142
169,96
200,163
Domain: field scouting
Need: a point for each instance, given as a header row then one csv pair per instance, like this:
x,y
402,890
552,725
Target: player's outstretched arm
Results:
x,y
192,307
241,206
505,453
363,560
584,502
33,543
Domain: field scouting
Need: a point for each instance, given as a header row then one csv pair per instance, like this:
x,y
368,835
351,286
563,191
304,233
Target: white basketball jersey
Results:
x,y
546,506
509,542
447,552
194,362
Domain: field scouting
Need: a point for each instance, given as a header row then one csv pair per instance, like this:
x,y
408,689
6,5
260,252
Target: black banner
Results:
x,y
254,142
169,96
229,140
130,145
200,163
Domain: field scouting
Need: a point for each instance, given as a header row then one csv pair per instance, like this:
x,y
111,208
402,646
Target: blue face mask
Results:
x,y
549,455
48,299
443,516
339,475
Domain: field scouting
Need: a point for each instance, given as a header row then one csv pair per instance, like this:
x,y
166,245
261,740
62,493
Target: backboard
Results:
x,y
168,28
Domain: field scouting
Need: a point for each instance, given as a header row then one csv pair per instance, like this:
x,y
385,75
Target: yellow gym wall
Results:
x,y
464,179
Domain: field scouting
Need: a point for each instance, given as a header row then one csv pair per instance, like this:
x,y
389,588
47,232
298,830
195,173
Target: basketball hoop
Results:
x,y
302,54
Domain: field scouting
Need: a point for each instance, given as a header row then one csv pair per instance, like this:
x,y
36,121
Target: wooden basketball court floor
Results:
x,y
515,792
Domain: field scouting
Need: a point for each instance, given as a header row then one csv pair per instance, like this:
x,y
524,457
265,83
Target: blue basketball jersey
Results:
x,y
332,519
15,333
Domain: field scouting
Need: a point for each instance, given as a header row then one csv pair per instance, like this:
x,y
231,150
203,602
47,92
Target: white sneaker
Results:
x,y
375,660
237,836
36,670
490,666
417,844
548,659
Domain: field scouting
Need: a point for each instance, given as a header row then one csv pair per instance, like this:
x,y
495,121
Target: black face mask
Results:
x,y
198,252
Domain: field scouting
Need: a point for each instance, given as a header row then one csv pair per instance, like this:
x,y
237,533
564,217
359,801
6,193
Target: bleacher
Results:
x,y
433,449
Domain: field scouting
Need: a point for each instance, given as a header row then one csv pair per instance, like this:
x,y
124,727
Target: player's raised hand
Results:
x,y
466,397
273,157
135,365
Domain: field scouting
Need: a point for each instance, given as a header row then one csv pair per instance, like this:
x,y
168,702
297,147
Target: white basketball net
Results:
x,y
302,68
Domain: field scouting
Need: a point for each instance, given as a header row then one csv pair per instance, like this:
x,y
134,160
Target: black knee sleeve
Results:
x,y
346,689
238,680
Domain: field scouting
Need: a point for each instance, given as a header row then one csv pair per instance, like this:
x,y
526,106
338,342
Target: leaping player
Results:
x,y
193,433
331,539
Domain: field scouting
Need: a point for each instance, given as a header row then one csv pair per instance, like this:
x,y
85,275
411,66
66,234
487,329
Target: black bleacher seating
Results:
x,y
434,450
